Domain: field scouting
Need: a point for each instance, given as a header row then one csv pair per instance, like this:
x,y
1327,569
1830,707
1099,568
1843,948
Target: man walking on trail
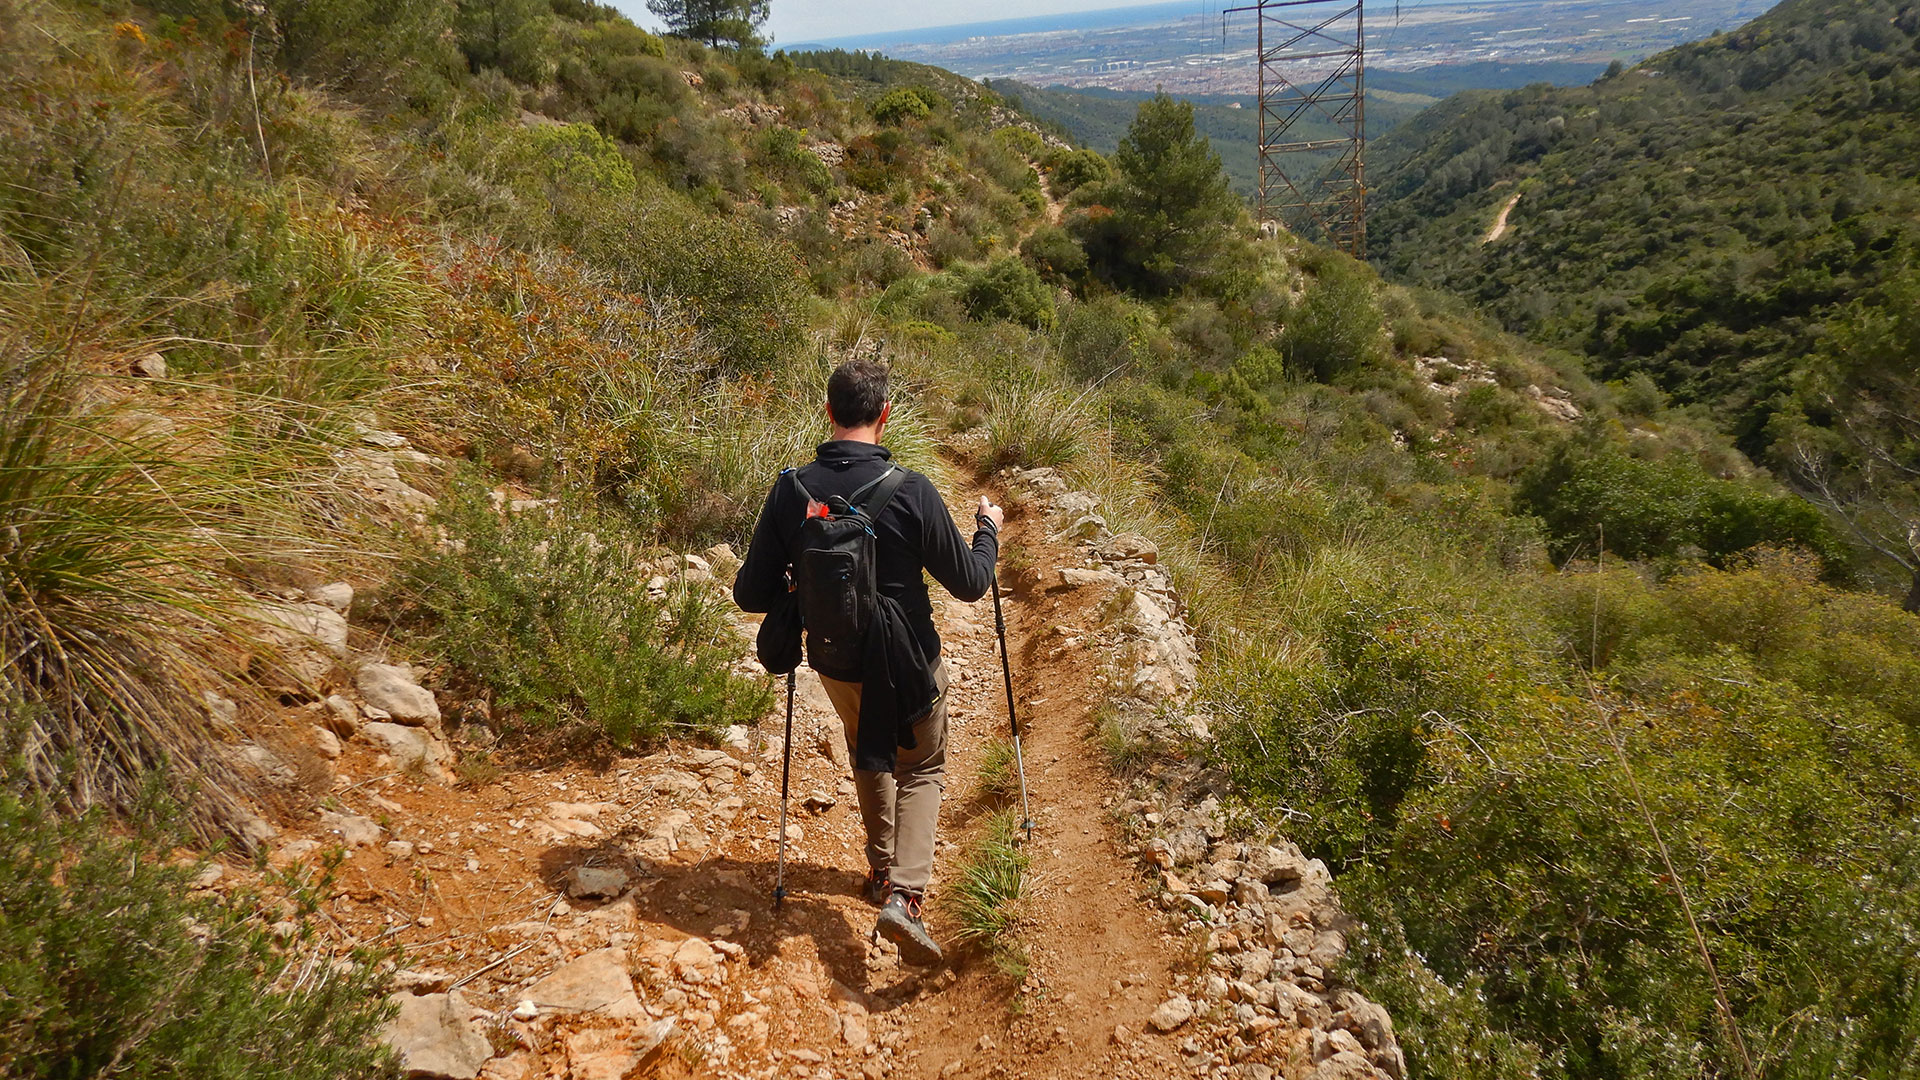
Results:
x,y
912,532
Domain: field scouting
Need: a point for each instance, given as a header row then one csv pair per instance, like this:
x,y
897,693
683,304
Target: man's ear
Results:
x,y
886,410
829,407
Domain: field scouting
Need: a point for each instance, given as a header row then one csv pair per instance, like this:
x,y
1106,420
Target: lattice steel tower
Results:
x,y
1313,132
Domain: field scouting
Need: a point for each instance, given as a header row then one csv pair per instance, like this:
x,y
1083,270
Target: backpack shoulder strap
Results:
x,y
882,492
792,474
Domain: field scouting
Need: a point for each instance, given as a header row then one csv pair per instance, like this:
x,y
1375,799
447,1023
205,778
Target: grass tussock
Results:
x,y
998,774
985,896
120,529
1035,427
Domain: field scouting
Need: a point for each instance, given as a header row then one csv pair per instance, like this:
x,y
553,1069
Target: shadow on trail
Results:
x,y
723,893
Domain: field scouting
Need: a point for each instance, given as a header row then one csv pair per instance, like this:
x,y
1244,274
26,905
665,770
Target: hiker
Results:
x,y
890,688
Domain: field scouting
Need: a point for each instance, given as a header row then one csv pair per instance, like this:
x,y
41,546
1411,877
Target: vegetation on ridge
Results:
x,y
1711,220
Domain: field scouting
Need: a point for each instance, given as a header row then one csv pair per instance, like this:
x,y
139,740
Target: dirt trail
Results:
x,y
1099,958
478,888
1500,223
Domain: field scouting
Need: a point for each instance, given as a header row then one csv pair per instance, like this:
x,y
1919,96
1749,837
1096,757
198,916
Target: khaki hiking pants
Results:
x,y
900,810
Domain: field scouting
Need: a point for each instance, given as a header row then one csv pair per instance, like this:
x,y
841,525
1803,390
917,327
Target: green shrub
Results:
x,y
1638,395
549,610
950,242
875,162
1008,289
1486,407
1057,256
1097,338
1076,169
907,103
113,967
1262,366
1335,328
1021,140
1344,741
880,263
1655,509
384,49
782,153
564,158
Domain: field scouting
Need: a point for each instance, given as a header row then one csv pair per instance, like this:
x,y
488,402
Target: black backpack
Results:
x,y
833,572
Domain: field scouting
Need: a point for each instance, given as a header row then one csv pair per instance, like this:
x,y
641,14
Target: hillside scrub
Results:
x,y
1705,218
563,630
593,287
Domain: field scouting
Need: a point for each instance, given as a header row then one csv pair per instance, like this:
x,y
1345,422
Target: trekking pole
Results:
x,y
786,766
1006,675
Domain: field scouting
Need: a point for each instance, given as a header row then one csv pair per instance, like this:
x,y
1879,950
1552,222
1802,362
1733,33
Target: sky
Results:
x,y
797,21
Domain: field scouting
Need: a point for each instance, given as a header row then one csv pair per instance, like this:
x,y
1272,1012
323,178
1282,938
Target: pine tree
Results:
x,y
736,22
1171,208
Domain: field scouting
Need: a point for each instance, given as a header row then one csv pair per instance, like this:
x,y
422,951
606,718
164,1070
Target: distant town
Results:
x,y
1211,54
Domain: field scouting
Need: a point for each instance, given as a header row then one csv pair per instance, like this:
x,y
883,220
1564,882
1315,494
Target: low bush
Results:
x,y
1335,328
1055,255
549,610
1098,339
114,967
1654,509
1075,169
783,154
904,104
1008,289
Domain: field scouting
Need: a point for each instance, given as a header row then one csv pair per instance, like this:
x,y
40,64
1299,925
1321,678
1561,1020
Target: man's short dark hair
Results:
x,y
856,393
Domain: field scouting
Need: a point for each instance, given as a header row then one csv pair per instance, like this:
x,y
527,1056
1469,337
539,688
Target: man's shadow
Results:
x,y
704,897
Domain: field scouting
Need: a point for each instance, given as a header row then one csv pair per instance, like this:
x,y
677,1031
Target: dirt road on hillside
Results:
x,y
1500,223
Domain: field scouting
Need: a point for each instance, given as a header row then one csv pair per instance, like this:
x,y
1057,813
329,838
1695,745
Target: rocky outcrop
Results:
x,y
1450,379
596,983
393,689
754,114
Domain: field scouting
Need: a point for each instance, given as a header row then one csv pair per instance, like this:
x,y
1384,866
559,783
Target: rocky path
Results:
x,y
601,924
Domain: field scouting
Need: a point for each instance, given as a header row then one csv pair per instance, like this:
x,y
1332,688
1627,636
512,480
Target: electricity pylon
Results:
x,y
1313,109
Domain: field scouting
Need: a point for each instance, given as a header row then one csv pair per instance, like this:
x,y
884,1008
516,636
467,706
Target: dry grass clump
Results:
x,y
119,527
1037,426
985,897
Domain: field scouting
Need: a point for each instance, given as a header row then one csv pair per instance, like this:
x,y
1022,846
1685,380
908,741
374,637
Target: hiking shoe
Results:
x,y
878,887
900,923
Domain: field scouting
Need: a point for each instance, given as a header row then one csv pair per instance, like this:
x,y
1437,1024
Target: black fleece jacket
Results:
x,y
914,532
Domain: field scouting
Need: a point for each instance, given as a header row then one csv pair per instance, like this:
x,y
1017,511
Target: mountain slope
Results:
x,y
1700,218
429,350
